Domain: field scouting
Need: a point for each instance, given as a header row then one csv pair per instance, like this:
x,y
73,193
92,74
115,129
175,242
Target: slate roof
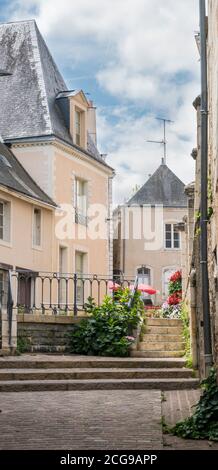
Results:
x,y
163,187
14,176
28,105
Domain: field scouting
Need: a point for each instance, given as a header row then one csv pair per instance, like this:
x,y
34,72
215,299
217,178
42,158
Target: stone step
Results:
x,y
161,346
158,354
159,330
72,361
152,338
104,384
94,374
163,322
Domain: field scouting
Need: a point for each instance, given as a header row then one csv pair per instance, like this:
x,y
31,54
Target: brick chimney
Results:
x,y
91,122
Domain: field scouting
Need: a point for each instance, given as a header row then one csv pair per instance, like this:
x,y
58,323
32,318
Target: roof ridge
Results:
x,y
158,169
18,21
174,174
39,70
163,186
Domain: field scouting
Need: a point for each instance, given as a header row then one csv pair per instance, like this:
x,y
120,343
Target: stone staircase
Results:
x,y
52,373
161,338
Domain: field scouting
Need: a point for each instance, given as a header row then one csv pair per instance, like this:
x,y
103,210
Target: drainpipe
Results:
x,y
204,207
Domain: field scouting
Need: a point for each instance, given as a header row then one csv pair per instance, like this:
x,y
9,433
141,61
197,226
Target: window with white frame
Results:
x,y
172,237
80,201
5,222
144,275
37,227
78,127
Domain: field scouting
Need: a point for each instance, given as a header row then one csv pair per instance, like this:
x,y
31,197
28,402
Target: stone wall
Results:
x,y
212,230
213,166
44,333
193,291
0,330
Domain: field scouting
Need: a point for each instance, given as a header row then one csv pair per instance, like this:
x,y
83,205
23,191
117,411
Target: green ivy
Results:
x,y
107,330
23,344
197,216
204,422
197,232
209,190
184,316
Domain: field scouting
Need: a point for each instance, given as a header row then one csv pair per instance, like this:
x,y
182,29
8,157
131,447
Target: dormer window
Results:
x,y
79,116
78,127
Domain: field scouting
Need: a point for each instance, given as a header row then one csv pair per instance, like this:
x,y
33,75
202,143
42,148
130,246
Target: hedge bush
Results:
x,y
109,328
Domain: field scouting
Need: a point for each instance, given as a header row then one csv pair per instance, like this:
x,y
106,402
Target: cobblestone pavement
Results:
x,y
81,420
178,405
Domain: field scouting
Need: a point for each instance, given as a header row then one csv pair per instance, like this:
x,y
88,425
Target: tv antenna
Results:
x,y
163,141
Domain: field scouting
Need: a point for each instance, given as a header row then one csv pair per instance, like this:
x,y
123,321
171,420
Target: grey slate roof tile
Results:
x,y
163,187
28,105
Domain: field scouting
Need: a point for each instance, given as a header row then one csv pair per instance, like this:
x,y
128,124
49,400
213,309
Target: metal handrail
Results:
x,y
60,293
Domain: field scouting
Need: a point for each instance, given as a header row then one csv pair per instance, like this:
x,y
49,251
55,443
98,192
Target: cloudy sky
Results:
x,y
138,60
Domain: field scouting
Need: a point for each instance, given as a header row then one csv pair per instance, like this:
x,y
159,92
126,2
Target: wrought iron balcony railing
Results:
x,y
60,294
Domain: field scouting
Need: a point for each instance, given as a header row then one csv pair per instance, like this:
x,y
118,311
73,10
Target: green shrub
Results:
x,y
108,329
204,422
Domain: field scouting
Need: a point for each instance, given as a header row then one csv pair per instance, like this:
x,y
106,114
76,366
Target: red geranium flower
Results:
x,y
175,298
177,276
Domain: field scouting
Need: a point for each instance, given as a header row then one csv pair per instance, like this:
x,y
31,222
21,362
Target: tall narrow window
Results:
x,y
79,263
79,268
81,201
24,292
37,222
78,127
144,277
5,215
63,276
172,237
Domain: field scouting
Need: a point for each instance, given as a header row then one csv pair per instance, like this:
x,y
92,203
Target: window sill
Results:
x,y
6,244
37,248
172,249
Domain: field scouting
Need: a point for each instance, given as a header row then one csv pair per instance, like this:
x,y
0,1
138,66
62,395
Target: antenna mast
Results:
x,y
163,141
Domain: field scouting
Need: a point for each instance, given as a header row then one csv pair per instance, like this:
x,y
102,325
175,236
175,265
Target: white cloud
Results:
x,y
134,159
143,54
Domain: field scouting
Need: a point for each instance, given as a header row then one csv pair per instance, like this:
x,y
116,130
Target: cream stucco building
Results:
x,y
52,132
147,239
